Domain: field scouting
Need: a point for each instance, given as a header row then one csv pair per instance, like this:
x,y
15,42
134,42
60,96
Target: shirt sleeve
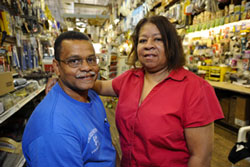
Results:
x,y
55,150
203,106
117,82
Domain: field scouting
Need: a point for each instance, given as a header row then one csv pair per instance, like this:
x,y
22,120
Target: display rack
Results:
x,y
6,114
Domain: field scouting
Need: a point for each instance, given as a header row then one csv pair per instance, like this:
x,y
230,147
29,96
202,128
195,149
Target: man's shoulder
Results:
x,y
49,100
52,101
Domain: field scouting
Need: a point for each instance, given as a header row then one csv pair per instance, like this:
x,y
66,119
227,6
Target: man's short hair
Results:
x,y
69,35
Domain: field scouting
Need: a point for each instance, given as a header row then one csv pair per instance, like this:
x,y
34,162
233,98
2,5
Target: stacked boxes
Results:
x,y
236,110
242,112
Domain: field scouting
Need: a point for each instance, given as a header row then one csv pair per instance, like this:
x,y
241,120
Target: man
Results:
x,y
69,127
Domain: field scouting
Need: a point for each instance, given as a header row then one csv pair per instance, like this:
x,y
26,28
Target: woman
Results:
x,y
165,113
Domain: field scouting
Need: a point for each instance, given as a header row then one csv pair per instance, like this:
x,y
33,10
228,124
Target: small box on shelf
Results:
x,y
6,84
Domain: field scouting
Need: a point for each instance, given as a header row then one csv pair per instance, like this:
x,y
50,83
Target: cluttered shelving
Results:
x,y
6,114
10,145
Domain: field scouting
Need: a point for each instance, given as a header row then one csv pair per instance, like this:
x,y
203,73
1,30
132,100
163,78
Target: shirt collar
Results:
x,y
176,75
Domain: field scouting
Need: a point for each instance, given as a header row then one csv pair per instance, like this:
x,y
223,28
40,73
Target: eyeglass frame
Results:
x,y
97,60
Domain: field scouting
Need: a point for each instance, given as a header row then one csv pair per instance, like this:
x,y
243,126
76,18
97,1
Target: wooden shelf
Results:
x,y
6,114
230,87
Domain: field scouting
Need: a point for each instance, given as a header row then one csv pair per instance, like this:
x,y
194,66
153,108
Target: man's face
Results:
x,y
76,79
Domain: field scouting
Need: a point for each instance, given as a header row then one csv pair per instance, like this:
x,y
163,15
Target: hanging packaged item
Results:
x,y
247,10
237,13
24,56
227,18
2,32
6,22
231,13
15,59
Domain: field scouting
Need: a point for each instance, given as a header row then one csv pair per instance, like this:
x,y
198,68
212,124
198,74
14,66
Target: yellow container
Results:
x,y
214,73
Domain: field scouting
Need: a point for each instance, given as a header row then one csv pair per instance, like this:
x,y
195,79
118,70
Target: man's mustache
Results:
x,y
85,74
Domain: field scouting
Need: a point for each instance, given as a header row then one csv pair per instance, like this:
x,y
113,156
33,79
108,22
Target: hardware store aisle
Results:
x,y
224,139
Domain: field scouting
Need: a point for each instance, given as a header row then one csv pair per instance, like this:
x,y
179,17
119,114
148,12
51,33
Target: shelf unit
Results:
x,y
108,65
21,162
14,160
6,114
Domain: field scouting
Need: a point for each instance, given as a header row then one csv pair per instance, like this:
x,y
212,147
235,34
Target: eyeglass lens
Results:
x,y
76,62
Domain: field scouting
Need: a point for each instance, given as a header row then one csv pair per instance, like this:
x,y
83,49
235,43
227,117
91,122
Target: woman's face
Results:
x,y
150,48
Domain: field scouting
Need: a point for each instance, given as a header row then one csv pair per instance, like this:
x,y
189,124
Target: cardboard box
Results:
x,y
225,105
6,83
232,110
242,112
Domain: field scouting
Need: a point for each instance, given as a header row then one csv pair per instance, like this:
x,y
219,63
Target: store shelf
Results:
x,y
6,114
14,74
217,29
13,160
230,87
21,162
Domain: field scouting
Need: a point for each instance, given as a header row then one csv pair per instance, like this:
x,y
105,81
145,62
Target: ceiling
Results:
x,y
95,12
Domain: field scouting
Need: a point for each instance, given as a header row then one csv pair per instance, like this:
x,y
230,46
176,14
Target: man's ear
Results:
x,y
56,67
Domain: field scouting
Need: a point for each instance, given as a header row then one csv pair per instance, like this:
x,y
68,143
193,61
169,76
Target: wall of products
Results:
x,y
27,29
189,16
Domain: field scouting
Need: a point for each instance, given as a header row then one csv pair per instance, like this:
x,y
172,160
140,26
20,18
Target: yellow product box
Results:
x,y
6,83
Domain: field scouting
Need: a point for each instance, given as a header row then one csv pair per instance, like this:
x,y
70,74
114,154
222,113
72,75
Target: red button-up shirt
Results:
x,y
152,134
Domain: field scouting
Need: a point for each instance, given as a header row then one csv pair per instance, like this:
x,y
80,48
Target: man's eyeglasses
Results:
x,y
77,62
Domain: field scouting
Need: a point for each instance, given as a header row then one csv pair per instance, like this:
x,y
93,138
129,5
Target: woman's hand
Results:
x,y
51,82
